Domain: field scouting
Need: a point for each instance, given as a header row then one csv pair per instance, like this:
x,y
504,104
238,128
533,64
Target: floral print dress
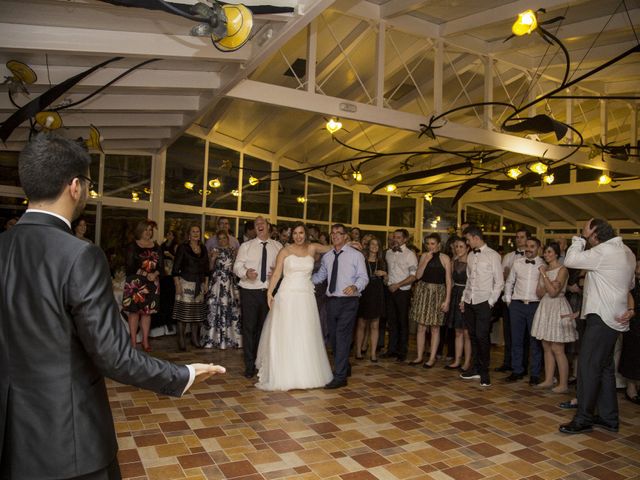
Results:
x,y
140,294
222,328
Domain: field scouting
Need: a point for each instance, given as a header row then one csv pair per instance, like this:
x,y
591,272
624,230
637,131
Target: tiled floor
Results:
x,y
391,422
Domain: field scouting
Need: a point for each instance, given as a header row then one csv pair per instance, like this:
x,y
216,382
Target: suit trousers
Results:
x,y
522,343
596,373
398,322
341,320
507,332
254,312
477,319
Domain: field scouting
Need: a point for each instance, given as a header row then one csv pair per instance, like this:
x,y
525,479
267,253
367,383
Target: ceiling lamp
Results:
x,y
253,181
539,168
301,199
94,142
21,75
49,120
604,179
357,175
189,185
235,193
548,179
428,197
390,188
539,124
93,194
514,173
215,183
134,196
526,23
228,25
147,190
333,125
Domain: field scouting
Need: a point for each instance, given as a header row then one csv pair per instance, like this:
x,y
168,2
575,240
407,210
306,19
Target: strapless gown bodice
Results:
x,y
297,274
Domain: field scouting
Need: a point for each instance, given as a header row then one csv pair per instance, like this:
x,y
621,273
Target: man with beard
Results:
x,y
61,332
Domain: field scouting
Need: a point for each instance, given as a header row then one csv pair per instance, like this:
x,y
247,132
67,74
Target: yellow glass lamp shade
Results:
x,y
239,25
514,173
391,188
428,197
526,23
253,181
333,126
49,120
357,175
215,183
548,179
604,179
189,185
539,168
22,72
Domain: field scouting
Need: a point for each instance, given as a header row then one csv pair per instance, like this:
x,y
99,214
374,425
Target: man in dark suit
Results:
x,y
61,333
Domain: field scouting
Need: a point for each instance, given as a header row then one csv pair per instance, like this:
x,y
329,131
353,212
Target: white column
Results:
x,y
158,167
273,193
488,91
380,64
634,130
438,62
419,221
312,53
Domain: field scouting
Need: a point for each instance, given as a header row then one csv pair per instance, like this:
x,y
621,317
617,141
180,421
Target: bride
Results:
x,y
291,353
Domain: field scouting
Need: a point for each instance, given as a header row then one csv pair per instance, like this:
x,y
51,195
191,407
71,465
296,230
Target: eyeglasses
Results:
x,y
91,185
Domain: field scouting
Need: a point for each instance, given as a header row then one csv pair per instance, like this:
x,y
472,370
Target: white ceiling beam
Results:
x,y
112,119
624,87
632,214
555,208
522,205
400,7
113,43
518,217
501,14
145,78
108,133
108,145
582,205
125,102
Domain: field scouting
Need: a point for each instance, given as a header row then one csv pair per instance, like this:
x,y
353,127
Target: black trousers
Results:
x,y
254,312
477,319
341,319
398,322
506,333
596,373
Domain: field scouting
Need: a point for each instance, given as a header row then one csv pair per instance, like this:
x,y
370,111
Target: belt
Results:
x,y
527,302
459,284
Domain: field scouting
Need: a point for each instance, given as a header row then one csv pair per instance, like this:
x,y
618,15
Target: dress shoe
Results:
x,y
514,377
335,384
401,358
635,399
413,363
600,423
452,367
502,369
568,405
533,381
249,373
426,365
573,427
485,381
470,375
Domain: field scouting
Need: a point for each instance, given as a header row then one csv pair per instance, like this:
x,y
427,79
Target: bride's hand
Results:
x,y
269,299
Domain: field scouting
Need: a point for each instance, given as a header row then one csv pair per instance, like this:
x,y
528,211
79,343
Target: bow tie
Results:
x,y
396,249
476,250
532,262
519,253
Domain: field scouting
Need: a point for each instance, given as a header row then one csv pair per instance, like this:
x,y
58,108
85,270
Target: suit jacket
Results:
x,y
60,335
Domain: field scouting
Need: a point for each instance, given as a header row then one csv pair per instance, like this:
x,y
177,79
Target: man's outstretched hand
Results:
x,y
206,370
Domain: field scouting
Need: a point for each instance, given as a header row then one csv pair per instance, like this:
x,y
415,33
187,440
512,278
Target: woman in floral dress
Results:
x,y
222,328
141,297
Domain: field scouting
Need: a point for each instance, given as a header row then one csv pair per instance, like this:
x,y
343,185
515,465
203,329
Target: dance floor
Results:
x,y
391,422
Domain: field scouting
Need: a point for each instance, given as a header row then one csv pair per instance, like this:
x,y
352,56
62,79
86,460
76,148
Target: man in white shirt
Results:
x,y
610,275
223,226
254,264
522,301
484,284
402,264
522,235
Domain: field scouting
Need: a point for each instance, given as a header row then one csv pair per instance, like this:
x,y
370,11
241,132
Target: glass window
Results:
x,y
224,166
493,240
116,232
255,198
373,209
318,197
402,212
89,215
127,176
488,222
180,223
94,169
9,168
10,207
342,205
439,215
184,170
511,226
587,174
211,226
290,194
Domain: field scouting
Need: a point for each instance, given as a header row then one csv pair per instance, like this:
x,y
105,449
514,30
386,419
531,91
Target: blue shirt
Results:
x,y
351,271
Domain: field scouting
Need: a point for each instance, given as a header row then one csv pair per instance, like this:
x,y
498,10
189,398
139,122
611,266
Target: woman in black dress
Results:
x,y
372,299
191,277
455,319
141,297
629,366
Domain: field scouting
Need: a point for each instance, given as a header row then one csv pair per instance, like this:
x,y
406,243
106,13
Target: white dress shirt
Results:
x,y
610,269
250,256
509,258
522,280
400,265
485,278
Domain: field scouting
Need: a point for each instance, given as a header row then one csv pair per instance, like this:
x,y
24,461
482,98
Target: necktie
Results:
x,y
519,252
532,262
263,263
476,250
334,272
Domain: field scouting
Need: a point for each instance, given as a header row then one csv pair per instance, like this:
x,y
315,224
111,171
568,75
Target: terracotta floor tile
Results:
x,y
148,440
361,475
172,450
130,470
237,469
369,460
128,456
195,460
165,472
485,449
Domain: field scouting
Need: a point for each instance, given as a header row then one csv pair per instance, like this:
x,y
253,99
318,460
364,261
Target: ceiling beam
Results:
x,y
631,214
108,102
553,207
400,7
117,119
531,212
582,205
108,133
113,43
502,211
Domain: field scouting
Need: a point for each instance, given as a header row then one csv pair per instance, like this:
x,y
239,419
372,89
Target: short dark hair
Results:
x,y
526,232
222,218
474,231
603,230
339,225
403,231
537,241
555,246
48,163
141,226
304,227
249,225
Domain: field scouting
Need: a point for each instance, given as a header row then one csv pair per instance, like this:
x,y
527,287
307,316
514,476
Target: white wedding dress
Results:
x,y
291,353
